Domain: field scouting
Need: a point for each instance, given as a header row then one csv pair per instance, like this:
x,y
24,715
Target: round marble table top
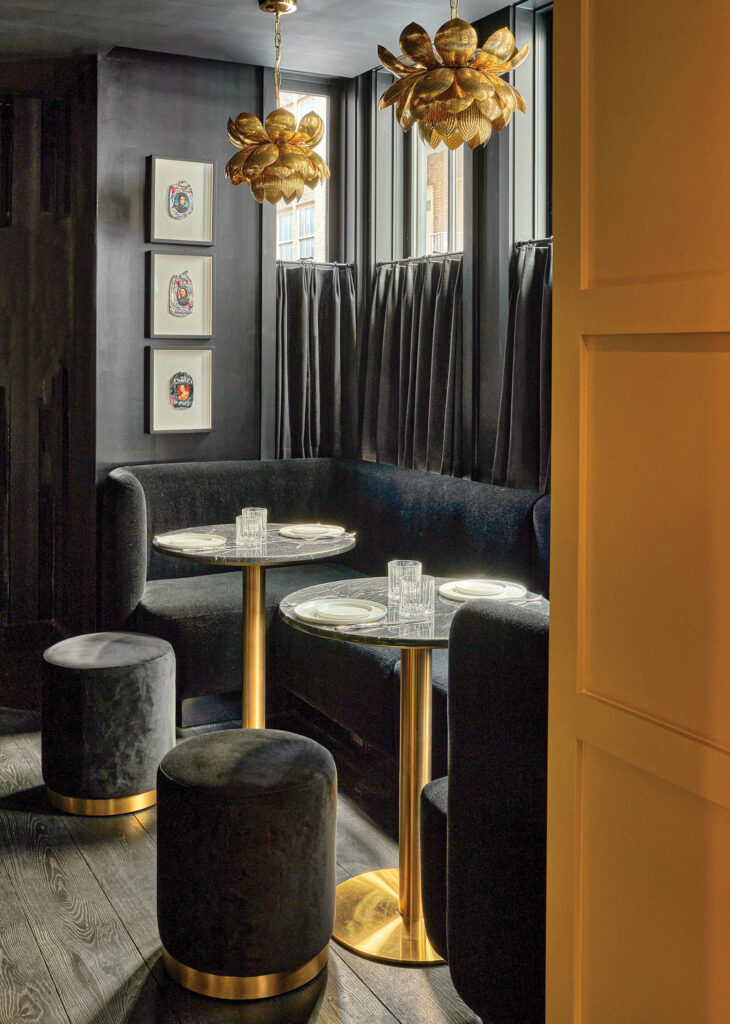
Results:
x,y
275,550
390,631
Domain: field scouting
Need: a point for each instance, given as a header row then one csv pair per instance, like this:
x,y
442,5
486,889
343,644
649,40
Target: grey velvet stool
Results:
x,y
246,862
108,718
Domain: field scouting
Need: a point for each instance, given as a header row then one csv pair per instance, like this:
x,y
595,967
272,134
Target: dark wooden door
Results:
x,y
47,346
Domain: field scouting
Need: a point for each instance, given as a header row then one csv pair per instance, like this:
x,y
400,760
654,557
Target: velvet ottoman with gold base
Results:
x,y
246,862
108,718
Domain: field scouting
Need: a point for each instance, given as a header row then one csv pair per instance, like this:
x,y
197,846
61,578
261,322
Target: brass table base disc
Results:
x,y
368,921
99,808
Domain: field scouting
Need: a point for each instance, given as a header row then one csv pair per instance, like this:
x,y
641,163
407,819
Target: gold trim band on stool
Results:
x,y
227,986
113,805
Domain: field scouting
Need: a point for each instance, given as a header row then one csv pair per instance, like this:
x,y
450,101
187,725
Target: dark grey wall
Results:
x,y
170,106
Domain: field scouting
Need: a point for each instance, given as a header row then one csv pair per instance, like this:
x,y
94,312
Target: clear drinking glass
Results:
x,y
251,526
416,597
397,569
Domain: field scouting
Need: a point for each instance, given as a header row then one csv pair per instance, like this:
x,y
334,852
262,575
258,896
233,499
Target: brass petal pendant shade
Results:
x,y
451,89
276,159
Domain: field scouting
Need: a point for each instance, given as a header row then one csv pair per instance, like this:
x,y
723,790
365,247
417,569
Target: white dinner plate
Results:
x,y
183,541
340,611
493,590
480,588
311,531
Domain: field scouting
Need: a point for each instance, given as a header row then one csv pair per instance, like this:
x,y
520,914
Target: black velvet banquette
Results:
x,y
484,827
455,527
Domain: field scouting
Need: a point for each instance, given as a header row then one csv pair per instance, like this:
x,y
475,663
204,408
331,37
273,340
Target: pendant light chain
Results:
x,y
454,9
277,65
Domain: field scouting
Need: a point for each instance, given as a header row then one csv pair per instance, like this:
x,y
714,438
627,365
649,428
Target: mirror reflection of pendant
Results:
x,y
182,297
180,200
181,390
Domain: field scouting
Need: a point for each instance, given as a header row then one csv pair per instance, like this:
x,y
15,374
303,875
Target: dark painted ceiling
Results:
x,y
337,37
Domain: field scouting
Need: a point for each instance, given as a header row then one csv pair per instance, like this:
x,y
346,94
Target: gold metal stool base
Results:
x,y
115,805
368,921
227,986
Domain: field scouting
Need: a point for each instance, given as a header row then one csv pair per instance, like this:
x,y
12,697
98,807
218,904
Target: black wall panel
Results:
x,y
175,107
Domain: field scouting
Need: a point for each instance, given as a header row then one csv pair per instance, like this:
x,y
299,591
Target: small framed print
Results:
x,y
180,199
180,295
180,390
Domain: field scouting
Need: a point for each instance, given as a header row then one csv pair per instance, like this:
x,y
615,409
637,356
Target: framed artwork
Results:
x,y
180,199
180,295
180,390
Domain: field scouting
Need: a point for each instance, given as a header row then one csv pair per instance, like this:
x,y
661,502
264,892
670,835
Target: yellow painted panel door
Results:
x,y
638,928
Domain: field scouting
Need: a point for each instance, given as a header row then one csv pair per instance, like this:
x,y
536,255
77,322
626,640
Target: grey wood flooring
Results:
x,y
78,928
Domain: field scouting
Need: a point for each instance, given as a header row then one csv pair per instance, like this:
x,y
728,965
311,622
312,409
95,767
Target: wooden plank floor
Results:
x,y
78,928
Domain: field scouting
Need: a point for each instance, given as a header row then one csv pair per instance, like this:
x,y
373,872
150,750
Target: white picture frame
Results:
x,y
171,370
180,295
193,182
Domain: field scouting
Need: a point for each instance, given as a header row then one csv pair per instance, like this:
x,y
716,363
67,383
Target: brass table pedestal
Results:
x,y
380,914
253,697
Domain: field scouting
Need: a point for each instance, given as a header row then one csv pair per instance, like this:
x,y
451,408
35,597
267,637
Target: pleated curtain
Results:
x,y
412,402
316,364
522,447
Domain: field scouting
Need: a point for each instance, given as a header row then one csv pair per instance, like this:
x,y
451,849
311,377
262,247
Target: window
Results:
x,y
306,231
310,239
285,236
306,220
438,199
306,248
304,106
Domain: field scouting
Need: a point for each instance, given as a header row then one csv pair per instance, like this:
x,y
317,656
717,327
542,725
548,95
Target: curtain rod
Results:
x,y
413,259
307,262
534,241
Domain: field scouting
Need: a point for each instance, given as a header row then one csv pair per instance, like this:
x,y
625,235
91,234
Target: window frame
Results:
x,y
332,89
417,235
414,228
281,242
280,221
306,233
336,90
302,210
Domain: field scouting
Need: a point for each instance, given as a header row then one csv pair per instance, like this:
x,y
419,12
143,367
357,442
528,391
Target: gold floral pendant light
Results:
x,y
454,93
276,159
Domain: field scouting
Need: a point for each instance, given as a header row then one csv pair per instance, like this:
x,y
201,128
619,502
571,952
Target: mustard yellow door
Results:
x,y
639,756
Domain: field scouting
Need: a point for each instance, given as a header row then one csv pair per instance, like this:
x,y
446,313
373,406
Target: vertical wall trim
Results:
x,y
267,257
487,242
6,161
359,233
4,503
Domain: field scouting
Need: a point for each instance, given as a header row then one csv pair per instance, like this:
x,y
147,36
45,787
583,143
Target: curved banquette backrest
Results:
x,y
453,526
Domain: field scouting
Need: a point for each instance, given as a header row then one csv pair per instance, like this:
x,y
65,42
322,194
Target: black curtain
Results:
x,y
412,410
316,365
522,449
